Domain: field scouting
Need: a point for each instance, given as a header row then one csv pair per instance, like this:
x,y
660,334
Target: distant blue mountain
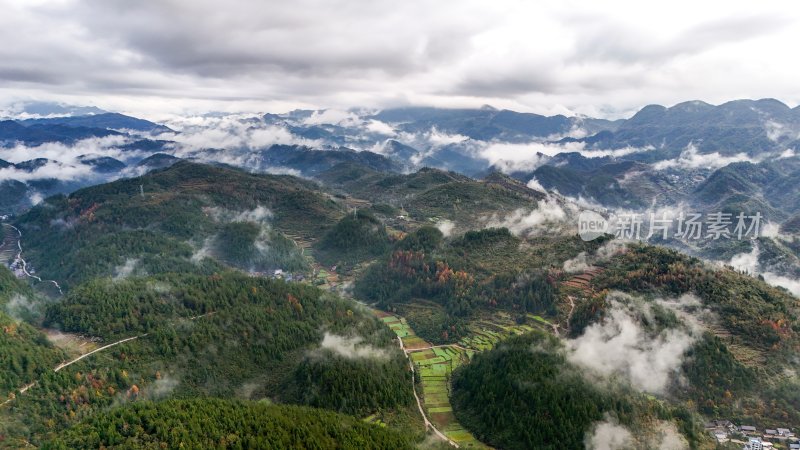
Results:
x,y
748,126
102,164
311,162
12,132
31,165
59,109
146,145
490,124
158,161
112,121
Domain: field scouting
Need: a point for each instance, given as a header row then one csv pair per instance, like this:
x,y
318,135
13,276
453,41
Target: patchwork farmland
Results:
x,y
435,364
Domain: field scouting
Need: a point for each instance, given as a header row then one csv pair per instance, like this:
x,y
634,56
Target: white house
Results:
x,y
754,444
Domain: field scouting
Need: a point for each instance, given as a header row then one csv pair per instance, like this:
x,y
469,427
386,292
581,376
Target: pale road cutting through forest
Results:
x,y
425,419
105,347
407,353
69,363
61,366
427,422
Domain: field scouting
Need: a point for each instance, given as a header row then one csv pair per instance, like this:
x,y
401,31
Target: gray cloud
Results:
x,y
631,43
125,270
608,434
178,55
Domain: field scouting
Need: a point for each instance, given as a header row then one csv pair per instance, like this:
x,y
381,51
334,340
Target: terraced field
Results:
x,y
9,244
435,364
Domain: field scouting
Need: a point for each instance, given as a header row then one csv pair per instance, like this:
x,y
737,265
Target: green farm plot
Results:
x,y
399,326
433,361
539,319
422,357
435,370
436,399
478,342
487,332
400,330
413,341
460,436
446,353
434,366
440,409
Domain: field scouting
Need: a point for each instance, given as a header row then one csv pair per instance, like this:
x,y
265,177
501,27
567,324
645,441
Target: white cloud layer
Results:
x,y
608,434
351,347
618,346
548,217
691,159
748,262
510,157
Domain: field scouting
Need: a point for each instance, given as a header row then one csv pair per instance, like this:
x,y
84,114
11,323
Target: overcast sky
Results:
x,y
602,58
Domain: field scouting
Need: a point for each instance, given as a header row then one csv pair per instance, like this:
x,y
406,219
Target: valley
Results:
x,y
316,225
446,310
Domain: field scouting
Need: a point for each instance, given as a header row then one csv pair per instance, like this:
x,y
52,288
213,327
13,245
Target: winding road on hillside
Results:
x,y
63,365
428,423
25,388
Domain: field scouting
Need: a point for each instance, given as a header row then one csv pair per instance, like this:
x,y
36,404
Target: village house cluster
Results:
x,y
752,438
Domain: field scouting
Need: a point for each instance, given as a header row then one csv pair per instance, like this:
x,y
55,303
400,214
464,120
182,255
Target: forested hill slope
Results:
x,y
433,193
656,340
25,353
167,220
220,424
226,335
526,394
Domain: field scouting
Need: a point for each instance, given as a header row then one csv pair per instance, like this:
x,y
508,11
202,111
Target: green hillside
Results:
x,y
738,370
25,353
524,394
163,219
221,424
487,270
432,193
355,238
167,276
226,335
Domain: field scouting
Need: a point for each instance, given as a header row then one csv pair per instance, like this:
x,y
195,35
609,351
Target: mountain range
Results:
x,y
145,299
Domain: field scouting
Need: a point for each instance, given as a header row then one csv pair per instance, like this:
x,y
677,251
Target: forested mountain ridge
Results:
x,y
163,220
224,335
25,353
732,337
526,394
221,424
463,264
